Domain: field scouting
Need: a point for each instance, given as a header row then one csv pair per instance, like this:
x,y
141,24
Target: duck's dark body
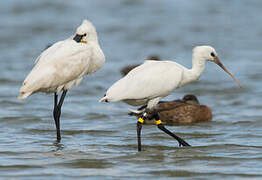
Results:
x,y
185,111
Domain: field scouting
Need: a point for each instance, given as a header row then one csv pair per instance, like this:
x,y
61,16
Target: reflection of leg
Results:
x,y
57,113
162,127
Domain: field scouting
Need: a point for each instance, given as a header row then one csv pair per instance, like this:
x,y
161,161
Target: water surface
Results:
x,y
99,140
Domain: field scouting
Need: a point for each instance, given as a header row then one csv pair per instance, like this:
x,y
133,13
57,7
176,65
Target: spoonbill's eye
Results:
x,y
212,54
84,34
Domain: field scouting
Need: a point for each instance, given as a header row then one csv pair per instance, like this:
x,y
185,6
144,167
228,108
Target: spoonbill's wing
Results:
x,y
52,49
58,65
147,81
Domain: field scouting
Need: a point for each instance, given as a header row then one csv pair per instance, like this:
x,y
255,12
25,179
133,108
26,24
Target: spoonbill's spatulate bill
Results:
x,y
63,65
153,80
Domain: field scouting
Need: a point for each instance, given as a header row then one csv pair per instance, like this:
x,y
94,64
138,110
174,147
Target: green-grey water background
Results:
x,y
99,140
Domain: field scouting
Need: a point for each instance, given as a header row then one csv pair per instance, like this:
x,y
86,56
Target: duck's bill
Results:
x,y
218,62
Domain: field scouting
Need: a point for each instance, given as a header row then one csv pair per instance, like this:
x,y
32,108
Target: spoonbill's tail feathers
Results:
x,y
134,112
24,95
104,99
26,90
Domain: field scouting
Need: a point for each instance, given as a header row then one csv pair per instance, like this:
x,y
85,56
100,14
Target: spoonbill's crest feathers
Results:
x,y
85,27
88,29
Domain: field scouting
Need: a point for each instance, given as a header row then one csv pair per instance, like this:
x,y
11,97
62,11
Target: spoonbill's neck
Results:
x,y
198,67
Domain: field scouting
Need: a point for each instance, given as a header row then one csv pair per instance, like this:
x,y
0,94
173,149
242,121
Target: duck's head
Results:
x,y
191,99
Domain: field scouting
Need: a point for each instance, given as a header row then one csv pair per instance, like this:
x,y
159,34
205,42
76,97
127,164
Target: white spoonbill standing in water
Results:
x,y
63,65
153,80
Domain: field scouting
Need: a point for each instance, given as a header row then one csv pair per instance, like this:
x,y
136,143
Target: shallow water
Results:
x,y
99,140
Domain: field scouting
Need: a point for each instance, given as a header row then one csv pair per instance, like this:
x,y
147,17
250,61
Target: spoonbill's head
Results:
x,y
85,32
209,53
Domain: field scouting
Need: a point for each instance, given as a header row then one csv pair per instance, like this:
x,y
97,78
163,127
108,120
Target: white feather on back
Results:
x,y
60,67
149,80
49,50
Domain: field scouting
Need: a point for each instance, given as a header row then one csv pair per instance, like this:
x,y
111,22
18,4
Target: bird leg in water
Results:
x,y
57,113
149,114
139,124
162,127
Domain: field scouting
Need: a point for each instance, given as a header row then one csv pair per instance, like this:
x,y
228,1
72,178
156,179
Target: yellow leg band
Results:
x,y
141,120
158,122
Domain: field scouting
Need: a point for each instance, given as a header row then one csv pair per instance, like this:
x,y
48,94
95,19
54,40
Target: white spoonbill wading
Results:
x,y
63,65
153,80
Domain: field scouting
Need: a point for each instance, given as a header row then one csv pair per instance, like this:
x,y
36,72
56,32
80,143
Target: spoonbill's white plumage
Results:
x,y
63,65
153,80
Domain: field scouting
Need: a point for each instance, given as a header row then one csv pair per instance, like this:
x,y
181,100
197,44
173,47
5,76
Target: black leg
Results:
x,y
138,129
139,125
57,113
162,127
180,140
62,99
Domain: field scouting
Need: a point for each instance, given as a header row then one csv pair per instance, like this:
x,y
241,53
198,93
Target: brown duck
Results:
x,y
185,111
128,68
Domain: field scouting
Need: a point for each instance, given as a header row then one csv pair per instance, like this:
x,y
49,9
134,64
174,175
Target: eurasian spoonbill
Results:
x,y
153,80
63,65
